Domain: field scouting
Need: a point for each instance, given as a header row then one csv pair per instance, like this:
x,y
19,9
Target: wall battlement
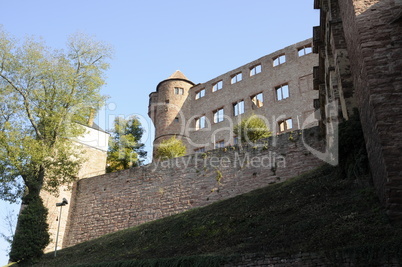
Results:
x,y
116,201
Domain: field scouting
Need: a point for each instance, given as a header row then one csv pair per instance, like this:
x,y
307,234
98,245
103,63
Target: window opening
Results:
x,y
200,123
255,70
285,125
282,92
218,115
257,100
200,94
279,60
217,86
238,108
236,78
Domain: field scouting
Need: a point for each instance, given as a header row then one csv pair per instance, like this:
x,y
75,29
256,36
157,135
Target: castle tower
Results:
x,y
166,108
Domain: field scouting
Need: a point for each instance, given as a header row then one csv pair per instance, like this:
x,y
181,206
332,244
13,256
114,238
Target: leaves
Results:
x,y
252,129
125,148
170,148
44,92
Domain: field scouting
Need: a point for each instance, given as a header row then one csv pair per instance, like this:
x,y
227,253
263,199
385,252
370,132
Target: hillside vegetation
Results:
x,y
315,212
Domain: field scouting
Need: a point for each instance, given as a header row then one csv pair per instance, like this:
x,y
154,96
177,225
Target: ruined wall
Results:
x,y
372,31
174,114
375,48
119,200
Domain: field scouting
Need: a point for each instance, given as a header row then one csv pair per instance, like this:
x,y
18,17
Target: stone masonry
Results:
x,y
278,87
116,201
360,42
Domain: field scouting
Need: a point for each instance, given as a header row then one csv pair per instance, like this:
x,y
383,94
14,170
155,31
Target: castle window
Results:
x,y
255,70
200,123
176,119
199,150
282,92
257,100
285,125
200,94
238,108
217,86
307,49
220,144
236,78
218,115
279,60
235,140
179,91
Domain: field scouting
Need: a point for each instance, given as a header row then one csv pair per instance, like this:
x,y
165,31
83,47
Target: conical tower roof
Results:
x,y
178,75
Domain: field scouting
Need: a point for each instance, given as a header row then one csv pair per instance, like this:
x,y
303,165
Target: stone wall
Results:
x,y
371,30
375,48
119,200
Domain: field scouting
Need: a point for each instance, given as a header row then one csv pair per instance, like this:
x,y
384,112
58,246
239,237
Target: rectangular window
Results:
x,y
279,60
307,49
217,86
200,94
218,115
285,125
220,144
200,123
282,92
235,140
255,70
257,100
179,91
199,150
237,78
238,108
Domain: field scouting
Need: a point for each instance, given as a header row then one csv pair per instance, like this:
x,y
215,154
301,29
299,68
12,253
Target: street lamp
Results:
x,y
61,204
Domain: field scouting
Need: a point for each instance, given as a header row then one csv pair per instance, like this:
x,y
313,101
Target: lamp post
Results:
x,y
61,204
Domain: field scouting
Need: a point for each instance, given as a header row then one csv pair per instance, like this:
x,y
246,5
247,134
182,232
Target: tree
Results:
x,y
170,148
125,149
252,129
43,93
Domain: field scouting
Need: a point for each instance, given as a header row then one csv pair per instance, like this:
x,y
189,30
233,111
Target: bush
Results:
x,y
170,148
31,236
252,129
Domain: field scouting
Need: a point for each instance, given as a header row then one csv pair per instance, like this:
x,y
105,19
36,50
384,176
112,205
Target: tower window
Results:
x,y
257,100
282,92
218,115
200,123
179,91
199,150
238,108
255,70
176,119
220,144
285,125
200,94
279,60
217,86
236,78
307,49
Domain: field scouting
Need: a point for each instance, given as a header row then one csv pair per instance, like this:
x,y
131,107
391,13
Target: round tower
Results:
x,y
165,108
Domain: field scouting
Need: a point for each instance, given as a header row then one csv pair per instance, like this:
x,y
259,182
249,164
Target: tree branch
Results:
x,y
26,105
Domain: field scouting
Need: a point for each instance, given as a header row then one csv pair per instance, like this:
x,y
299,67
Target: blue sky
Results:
x,y
152,39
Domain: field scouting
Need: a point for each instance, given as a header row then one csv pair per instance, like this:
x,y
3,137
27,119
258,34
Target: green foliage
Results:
x,y
32,234
125,148
170,148
252,129
43,93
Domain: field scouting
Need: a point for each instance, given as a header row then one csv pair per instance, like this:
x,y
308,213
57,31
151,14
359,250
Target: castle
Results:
x,y
359,65
278,87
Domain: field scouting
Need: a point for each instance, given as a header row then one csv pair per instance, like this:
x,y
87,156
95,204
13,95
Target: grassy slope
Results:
x,y
313,212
